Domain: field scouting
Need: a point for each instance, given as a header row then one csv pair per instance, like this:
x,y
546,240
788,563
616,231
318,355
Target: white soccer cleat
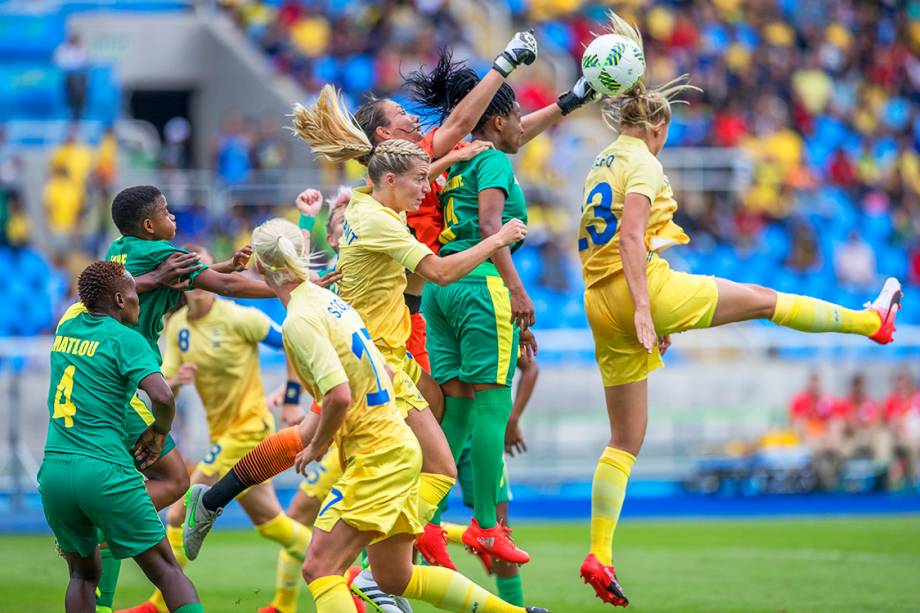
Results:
x,y
198,520
377,600
887,305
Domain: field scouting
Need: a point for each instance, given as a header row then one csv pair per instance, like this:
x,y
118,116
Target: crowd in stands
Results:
x,y
883,432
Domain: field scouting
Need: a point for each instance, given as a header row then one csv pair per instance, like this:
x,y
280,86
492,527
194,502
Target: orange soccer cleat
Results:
x,y
432,546
887,306
604,581
146,607
496,541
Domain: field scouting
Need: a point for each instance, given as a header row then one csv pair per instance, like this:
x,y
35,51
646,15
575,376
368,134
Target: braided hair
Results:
x,y
442,89
334,134
99,281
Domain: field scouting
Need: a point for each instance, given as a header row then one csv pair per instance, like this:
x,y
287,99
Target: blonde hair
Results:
x,y
641,107
278,245
333,133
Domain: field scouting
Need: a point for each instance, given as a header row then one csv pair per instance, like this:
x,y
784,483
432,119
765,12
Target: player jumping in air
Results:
x,y
214,344
374,504
88,481
634,301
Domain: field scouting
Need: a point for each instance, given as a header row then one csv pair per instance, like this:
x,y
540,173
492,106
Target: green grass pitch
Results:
x,y
867,564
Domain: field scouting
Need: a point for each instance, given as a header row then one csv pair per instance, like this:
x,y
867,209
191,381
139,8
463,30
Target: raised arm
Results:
x,y
170,273
447,269
491,206
232,285
441,165
633,252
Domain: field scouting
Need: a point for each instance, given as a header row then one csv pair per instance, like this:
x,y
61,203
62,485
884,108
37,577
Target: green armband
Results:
x,y
306,222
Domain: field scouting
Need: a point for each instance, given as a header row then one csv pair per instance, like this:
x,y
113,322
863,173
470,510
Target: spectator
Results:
x,y
804,256
175,152
74,156
63,200
232,150
811,414
70,57
855,264
902,416
864,434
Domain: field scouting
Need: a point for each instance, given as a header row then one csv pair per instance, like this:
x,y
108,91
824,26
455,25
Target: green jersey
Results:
x,y
460,199
96,366
140,257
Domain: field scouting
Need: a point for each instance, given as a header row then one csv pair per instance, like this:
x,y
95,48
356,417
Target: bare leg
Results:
x,y
743,302
84,577
303,508
436,456
627,409
160,566
433,395
167,479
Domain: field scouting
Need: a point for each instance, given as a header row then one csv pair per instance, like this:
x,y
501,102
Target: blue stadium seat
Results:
x,y
30,37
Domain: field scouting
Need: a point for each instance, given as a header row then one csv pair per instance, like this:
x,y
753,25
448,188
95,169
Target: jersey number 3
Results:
x,y
63,406
603,212
359,347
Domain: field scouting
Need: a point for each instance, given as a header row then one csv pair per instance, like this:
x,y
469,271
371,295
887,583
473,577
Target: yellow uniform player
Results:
x,y
634,301
214,344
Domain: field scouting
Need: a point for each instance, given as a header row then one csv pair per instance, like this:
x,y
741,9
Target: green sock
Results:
x,y
511,590
492,408
456,425
193,607
108,581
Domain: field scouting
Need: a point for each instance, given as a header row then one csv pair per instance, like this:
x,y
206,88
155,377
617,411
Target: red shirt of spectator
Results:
x,y
858,411
904,398
812,408
428,221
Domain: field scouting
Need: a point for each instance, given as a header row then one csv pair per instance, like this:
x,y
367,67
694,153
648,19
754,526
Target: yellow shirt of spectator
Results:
x,y
327,344
626,166
375,250
224,346
77,158
63,199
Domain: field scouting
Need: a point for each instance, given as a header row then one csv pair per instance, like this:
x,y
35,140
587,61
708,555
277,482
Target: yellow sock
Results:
x,y
451,591
174,536
432,488
287,582
331,595
454,532
608,490
290,534
812,315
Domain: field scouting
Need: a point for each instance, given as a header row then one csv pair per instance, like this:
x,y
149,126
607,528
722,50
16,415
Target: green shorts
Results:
x,y
139,417
80,494
470,332
465,478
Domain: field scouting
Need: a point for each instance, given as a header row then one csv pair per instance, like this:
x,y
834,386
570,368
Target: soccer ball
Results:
x,y
613,64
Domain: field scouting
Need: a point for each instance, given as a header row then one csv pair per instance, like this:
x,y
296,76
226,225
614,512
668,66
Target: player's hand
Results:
x,y
522,312
309,202
176,266
580,94
148,448
291,415
528,345
521,49
308,454
240,259
514,438
185,375
663,343
467,153
645,329
330,278
512,232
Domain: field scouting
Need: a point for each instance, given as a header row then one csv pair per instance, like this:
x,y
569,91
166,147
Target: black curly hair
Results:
x,y
132,205
98,281
442,89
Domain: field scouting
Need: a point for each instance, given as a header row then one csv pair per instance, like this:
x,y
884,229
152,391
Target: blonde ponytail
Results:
x,y
641,107
278,245
334,134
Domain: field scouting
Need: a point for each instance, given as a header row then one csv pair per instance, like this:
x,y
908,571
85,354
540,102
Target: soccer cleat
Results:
x,y
496,541
432,546
198,520
486,560
269,609
604,581
537,610
146,607
887,306
364,586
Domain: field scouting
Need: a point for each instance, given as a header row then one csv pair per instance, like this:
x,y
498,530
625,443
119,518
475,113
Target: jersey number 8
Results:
x,y
602,212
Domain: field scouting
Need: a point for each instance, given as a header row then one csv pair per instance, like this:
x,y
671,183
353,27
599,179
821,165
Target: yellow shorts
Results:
x,y
679,302
229,448
378,492
406,374
321,476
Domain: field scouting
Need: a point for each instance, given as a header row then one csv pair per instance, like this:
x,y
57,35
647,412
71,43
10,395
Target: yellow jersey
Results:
x,y
224,346
327,344
375,251
625,166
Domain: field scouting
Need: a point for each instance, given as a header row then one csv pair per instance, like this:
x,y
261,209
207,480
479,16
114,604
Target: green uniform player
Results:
x,y
88,482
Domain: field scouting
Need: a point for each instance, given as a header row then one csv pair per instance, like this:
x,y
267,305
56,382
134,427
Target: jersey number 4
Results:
x,y
359,346
602,212
63,406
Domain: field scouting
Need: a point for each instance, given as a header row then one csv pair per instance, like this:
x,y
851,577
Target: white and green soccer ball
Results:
x,y
613,64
